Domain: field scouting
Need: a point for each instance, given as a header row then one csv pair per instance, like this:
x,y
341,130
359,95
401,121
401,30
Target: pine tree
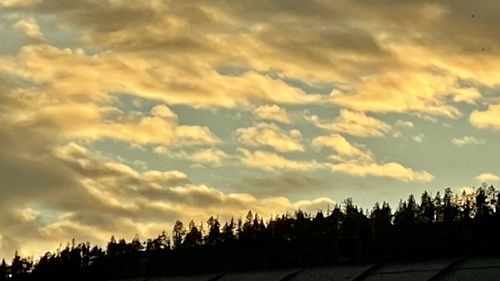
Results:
x,y
178,234
3,270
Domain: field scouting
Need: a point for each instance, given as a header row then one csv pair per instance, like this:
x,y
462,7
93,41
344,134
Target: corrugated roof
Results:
x,y
186,278
473,269
483,269
275,275
337,273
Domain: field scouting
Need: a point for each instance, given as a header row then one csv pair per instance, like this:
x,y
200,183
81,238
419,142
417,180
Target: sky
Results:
x,y
119,117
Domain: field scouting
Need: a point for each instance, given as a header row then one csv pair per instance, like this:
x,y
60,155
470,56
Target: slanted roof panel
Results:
x,y
275,275
207,277
332,273
402,276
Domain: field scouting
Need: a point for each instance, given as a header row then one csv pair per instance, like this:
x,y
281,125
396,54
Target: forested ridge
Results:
x,y
443,225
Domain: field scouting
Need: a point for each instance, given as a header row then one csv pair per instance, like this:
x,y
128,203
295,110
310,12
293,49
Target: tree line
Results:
x,y
444,225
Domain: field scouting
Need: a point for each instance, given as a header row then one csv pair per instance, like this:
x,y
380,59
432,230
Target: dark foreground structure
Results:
x,y
419,241
473,269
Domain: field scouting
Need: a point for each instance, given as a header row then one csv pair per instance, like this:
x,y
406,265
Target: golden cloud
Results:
x,y
209,156
270,161
341,146
389,170
19,3
272,112
385,63
355,160
30,29
270,135
356,124
489,118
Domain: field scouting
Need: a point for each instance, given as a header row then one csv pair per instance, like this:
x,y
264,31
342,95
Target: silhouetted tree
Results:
x,y
427,208
112,248
482,207
449,209
193,237
406,213
20,267
228,236
135,245
3,270
213,237
178,234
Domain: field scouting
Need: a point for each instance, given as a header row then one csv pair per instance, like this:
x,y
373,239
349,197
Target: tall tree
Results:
x,y
213,236
178,234
193,237
3,270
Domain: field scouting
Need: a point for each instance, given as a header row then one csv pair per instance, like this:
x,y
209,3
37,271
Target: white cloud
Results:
x,y
404,124
389,170
467,140
30,29
161,150
312,206
418,138
487,177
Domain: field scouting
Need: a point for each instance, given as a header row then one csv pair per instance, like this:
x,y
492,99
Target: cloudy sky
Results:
x,y
119,117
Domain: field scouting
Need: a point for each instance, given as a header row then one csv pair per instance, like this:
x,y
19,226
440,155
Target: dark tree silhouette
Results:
x,y
436,227
213,237
3,270
193,237
178,234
